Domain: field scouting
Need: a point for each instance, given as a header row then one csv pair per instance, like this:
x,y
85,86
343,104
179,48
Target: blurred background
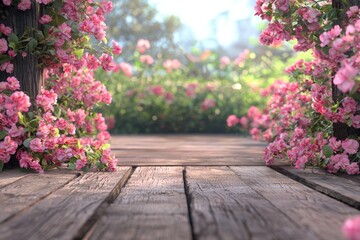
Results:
x,y
187,65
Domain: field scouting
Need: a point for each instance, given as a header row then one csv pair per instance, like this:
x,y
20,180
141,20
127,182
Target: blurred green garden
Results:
x,y
160,87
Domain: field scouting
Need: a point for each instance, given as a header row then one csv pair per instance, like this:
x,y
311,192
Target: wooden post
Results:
x,y
25,68
341,130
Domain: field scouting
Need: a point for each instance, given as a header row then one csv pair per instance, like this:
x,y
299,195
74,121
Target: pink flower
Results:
x,y
46,99
3,45
5,30
300,162
244,121
350,146
20,101
351,228
44,1
143,45
37,145
335,145
282,5
157,90
224,61
7,2
45,19
126,69
13,83
255,133
24,5
353,168
171,64
329,36
65,30
7,66
80,163
232,120
15,131
116,48
208,104
169,97
107,62
147,59
344,77
254,112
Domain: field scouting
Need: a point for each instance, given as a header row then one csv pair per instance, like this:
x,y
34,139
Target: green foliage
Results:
x,y
234,88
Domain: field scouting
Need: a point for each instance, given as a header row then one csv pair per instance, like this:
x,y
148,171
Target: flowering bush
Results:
x,y
299,117
62,127
173,95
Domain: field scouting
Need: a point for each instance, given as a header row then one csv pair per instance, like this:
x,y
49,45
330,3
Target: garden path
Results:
x,y
179,187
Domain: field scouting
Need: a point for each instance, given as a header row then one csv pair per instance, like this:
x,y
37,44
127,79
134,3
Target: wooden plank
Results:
x,y
28,190
64,213
9,176
309,208
152,205
182,150
224,207
343,189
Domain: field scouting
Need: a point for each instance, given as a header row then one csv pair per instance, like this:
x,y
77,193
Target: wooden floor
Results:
x,y
179,187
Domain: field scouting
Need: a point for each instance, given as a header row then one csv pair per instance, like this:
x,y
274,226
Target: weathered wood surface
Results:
x,y
9,176
151,206
64,214
185,150
236,200
224,207
303,205
29,190
341,187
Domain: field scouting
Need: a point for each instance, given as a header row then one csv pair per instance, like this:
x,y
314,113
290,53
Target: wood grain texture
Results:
x,y
152,205
183,150
309,208
225,207
343,189
30,189
62,214
9,176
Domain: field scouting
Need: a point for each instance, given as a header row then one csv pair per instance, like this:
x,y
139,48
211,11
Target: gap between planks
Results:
x,y
67,212
343,189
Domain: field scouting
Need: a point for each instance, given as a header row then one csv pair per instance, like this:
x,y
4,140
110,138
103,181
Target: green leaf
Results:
x,y
105,146
32,44
21,119
4,58
1,165
39,35
13,38
79,53
26,143
72,166
328,152
57,111
34,123
3,134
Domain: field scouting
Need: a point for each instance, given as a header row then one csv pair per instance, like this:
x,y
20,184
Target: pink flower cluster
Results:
x,y
143,45
285,124
62,127
67,40
299,116
351,228
171,65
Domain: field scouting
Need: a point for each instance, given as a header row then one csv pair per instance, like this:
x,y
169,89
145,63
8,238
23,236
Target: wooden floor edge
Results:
x,y
324,190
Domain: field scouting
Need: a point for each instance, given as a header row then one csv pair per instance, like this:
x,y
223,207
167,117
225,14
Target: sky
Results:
x,y
197,14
